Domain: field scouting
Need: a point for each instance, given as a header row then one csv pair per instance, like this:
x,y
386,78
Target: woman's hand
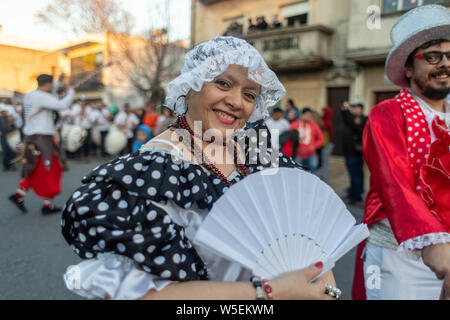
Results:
x,y
297,285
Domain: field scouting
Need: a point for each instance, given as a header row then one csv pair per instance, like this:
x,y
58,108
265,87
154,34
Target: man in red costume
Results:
x,y
406,146
42,170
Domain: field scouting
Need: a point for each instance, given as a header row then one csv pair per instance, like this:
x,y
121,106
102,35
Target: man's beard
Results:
x,y
430,92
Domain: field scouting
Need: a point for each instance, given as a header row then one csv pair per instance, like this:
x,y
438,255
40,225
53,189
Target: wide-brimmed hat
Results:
x,y
413,29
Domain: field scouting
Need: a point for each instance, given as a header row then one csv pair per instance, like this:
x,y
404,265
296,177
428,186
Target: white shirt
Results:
x,y
12,111
100,119
42,122
66,117
107,114
129,120
84,120
18,122
430,114
276,128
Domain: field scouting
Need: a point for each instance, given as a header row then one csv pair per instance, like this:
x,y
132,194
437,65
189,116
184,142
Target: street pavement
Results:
x,y
34,255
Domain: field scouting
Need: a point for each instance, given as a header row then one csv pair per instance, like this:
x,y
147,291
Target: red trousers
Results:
x,y
45,183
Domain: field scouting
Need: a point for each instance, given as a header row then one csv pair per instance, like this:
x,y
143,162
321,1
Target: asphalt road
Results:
x,y
34,255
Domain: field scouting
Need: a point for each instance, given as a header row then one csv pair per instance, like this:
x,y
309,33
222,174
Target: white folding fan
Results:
x,y
275,221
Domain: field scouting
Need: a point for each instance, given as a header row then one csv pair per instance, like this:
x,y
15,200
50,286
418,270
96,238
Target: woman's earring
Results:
x,y
182,96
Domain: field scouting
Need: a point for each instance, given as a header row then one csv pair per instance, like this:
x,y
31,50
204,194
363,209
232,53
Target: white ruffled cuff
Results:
x,y
111,275
412,247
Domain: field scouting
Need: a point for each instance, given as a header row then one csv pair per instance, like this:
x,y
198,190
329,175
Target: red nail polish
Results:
x,y
319,265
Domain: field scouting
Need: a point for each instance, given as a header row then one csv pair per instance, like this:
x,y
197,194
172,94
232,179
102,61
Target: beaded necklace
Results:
x,y
195,149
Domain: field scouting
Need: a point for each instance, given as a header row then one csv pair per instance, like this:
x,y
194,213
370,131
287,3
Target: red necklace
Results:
x,y
207,163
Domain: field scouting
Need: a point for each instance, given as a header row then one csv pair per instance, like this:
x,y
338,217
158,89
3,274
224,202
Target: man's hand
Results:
x,y
437,258
61,77
345,106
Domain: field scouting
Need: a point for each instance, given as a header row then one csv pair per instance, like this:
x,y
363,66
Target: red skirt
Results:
x,y
45,183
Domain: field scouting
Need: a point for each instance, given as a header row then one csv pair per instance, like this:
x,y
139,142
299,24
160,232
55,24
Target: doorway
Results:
x,y
335,98
384,95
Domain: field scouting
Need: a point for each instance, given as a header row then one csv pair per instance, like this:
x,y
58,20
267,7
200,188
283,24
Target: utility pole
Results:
x,y
193,21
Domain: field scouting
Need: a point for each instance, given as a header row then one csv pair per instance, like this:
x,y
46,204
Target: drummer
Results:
x,y
42,155
65,121
101,118
82,114
127,121
18,116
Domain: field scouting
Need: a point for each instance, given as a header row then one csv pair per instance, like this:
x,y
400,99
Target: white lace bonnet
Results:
x,y
209,59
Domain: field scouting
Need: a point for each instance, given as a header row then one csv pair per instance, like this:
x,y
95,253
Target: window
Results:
x,y
400,5
295,14
82,66
424,2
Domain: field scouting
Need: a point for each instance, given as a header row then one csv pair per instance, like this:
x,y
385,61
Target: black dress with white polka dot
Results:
x,y
115,210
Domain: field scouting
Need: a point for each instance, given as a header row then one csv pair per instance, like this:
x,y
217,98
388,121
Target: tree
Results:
x,y
146,61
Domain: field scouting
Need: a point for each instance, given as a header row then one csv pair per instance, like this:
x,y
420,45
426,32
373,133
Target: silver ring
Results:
x,y
333,291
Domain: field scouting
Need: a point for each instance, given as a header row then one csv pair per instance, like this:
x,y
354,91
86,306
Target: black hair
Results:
x,y
276,109
44,78
306,109
61,90
409,61
358,105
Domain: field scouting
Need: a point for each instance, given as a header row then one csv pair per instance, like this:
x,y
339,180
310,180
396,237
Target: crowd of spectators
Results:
x,y
307,136
236,29
95,119
303,134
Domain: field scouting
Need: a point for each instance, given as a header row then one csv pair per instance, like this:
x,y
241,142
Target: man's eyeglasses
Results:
x,y
433,57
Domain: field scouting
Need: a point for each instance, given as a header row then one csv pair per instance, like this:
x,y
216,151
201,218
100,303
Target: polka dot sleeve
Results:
x,y
111,213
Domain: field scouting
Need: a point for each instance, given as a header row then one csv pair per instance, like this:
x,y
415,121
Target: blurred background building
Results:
x,y
120,83
22,60
324,52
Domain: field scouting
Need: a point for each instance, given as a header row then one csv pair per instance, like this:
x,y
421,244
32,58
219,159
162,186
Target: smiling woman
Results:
x,y
134,219
225,103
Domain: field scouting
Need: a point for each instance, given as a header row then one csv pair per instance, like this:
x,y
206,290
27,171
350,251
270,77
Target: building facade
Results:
x,y
22,63
21,60
325,52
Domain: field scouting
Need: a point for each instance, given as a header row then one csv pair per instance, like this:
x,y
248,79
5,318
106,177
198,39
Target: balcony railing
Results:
x,y
294,48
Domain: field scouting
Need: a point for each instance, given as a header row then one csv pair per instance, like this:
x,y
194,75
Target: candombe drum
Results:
x,y
96,137
115,141
75,138
14,142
